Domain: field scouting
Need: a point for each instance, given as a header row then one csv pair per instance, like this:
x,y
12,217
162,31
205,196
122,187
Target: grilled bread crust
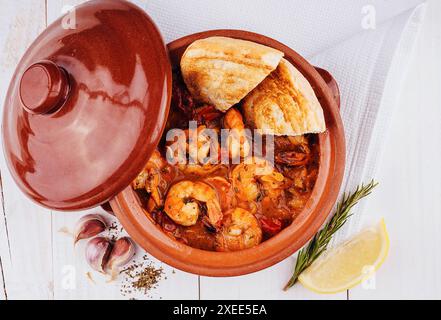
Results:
x,y
284,104
221,71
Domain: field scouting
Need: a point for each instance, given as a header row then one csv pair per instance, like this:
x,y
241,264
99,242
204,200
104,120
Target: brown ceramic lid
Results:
x,y
87,106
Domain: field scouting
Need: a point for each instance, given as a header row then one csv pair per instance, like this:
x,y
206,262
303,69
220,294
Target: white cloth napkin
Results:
x,y
368,63
370,67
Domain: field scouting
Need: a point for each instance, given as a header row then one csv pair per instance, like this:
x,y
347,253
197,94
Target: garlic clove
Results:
x,y
97,253
123,251
89,226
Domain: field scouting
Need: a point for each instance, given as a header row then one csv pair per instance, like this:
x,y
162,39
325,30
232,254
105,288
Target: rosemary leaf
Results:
x,y
308,254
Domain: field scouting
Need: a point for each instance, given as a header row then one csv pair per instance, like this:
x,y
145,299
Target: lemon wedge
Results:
x,y
350,263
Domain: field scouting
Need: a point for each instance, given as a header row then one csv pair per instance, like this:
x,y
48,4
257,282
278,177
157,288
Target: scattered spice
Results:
x,y
114,230
113,226
147,278
141,277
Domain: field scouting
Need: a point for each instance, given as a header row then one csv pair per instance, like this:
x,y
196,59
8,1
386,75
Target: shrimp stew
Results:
x,y
217,206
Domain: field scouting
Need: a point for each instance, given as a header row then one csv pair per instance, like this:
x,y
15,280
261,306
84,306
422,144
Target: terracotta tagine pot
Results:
x,y
86,107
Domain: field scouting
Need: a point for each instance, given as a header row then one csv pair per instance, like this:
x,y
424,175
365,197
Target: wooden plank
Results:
x,y
68,258
25,229
409,196
266,284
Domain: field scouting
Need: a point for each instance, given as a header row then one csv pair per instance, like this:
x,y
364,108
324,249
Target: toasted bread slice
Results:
x,y
221,71
284,104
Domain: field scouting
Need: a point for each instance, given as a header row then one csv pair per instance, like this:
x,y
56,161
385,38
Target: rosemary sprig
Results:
x,y
320,242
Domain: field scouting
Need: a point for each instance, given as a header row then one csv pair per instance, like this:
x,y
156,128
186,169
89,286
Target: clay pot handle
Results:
x,y
44,87
332,84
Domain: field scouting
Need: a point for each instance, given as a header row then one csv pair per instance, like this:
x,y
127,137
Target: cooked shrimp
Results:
x,y
237,142
206,147
224,191
255,179
199,169
203,153
240,230
186,200
150,177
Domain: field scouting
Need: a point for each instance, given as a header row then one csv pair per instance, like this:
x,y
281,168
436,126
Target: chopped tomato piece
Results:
x,y
206,113
270,226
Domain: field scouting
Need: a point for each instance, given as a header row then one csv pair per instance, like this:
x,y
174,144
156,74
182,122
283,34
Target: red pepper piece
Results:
x,y
206,113
270,226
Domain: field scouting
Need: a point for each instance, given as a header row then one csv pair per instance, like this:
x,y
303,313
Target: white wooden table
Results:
x,y
36,257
